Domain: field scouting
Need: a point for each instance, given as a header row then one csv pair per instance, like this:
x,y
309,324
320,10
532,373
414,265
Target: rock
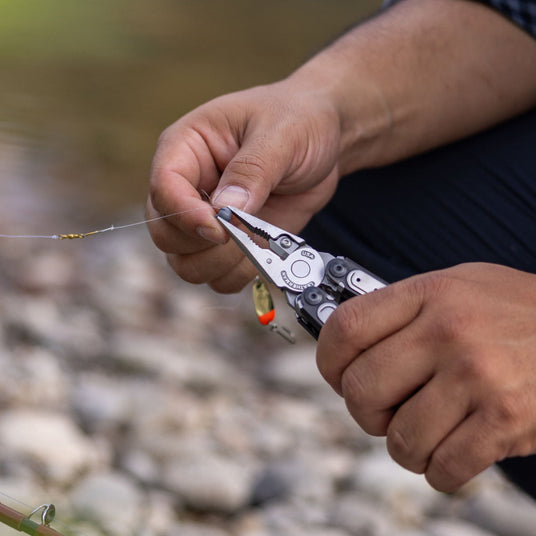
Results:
x,y
359,515
195,529
141,466
111,500
277,481
321,531
71,330
282,518
448,527
173,360
269,439
407,495
51,440
49,271
211,429
160,513
210,483
85,529
294,370
504,513
33,375
127,285
166,447
297,417
24,488
101,403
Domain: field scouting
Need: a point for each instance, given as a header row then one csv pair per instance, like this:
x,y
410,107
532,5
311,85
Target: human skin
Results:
x,y
420,75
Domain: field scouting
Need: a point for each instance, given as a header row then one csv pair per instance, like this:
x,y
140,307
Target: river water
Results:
x,y
86,87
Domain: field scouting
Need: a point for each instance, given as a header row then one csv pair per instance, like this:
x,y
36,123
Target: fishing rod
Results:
x,y
18,521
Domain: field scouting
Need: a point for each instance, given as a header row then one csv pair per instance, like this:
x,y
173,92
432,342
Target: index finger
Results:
x,y
183,166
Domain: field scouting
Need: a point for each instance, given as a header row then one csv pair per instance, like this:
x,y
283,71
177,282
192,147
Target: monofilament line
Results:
x,y
72,236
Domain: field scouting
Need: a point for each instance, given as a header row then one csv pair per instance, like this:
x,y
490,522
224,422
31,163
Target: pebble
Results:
x,y
511,514
34,376
50,439
209,483
111,500
144,406
100,403
294,370
407,495
141,466
195,529
359,515
171,360
160,512
450,527
67,329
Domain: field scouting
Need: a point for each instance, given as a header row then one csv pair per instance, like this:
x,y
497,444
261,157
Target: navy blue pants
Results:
x,y
473,200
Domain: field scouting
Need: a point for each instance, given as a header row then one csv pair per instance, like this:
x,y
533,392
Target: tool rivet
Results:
x,y
312,296
337,269
285,242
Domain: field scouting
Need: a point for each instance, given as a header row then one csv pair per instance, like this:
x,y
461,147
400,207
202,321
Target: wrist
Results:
x,y
364,116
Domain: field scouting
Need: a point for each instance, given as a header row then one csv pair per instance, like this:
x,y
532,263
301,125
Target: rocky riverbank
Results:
x,y
141,405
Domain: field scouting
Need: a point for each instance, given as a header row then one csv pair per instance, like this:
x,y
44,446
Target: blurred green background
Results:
x,y
87,86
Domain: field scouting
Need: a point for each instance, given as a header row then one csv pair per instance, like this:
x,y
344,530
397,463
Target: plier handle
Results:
x,y
314,283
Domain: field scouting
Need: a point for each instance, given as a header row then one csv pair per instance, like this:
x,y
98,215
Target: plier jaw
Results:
x,y
288,262
314,283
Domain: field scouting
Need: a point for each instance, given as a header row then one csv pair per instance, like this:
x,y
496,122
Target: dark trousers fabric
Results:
x,y
470,201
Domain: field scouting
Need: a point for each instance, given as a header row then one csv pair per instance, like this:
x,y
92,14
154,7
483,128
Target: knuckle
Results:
x,y
347,324
472,367
224,285
443,470
186,268
403,451
355,389
476,367
362,405
430,283
453,325
373,427
506,411
249,165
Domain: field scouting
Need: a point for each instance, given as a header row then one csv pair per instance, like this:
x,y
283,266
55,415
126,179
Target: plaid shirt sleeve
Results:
x,y
520,12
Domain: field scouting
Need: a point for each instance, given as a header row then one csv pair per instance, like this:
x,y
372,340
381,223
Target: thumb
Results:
x,y
249,177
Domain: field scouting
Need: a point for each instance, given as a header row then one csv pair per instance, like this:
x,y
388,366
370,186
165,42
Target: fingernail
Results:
x,y
211,234
234,196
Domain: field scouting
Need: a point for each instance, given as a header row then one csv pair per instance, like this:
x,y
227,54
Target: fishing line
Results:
x,y
72,236
6,518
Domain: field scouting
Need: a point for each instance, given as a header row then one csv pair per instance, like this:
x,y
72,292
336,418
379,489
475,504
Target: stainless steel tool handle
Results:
x,y
343,279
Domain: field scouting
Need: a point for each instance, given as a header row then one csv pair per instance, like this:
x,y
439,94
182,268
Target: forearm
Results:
x,y
424,73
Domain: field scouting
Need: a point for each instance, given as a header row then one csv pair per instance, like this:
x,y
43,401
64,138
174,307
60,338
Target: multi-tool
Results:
x,y
314,283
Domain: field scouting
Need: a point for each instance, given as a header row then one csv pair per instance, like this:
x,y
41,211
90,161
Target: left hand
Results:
x,y
444,365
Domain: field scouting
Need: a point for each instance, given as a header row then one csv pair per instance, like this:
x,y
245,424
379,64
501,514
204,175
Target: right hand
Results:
x,y
270,150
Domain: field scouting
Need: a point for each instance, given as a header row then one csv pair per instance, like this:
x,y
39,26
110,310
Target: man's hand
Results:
x,y
444,365
270,150
415,77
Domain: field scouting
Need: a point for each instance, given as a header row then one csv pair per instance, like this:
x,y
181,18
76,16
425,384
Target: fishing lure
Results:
x,y
265,310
